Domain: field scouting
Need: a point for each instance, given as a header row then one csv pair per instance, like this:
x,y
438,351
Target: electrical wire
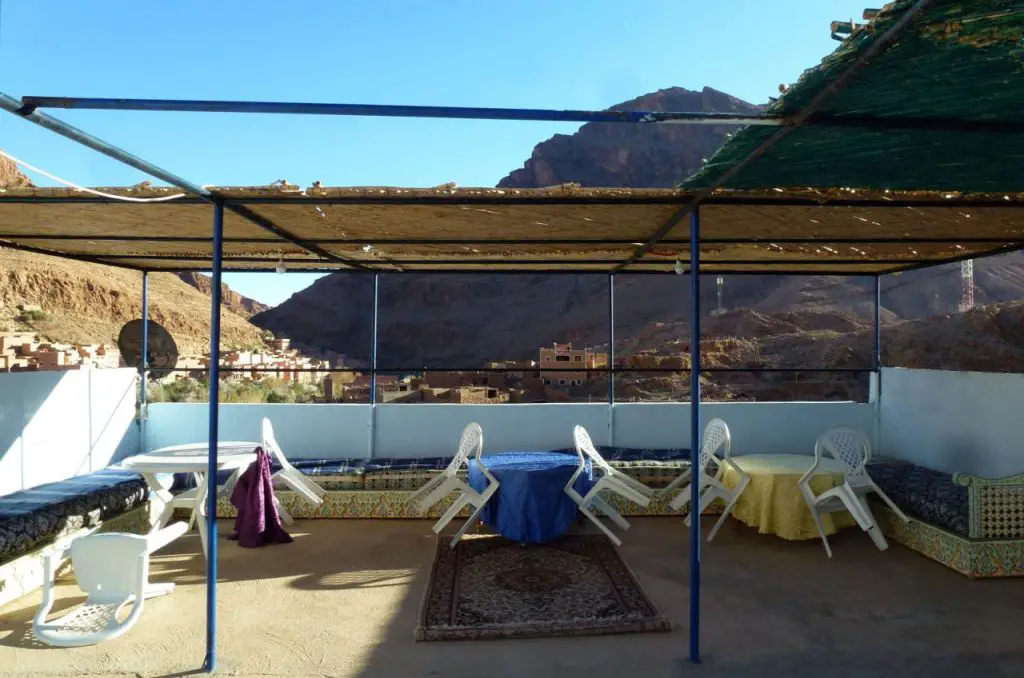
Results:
x,y
93,191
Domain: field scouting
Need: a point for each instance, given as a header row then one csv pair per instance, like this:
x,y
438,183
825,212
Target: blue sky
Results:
x,y
584,54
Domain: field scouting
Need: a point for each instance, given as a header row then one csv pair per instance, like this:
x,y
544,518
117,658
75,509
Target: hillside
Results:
x,y
87,303
232,300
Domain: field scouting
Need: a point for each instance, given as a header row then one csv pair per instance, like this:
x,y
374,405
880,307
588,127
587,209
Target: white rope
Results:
x,y
87,190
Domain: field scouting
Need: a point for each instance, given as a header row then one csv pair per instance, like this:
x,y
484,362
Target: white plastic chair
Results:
x,y
289,475
851,448
610,480
448,481
113,570
716,437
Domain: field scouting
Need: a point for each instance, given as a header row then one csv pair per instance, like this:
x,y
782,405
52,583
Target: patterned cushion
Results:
x,y
405,474
330,474
924,493
32,518
656,468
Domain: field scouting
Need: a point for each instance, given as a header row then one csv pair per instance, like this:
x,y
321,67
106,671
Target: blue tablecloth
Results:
x,y
531,505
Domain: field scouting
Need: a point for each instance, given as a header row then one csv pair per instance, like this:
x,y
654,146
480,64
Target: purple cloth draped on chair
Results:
x,y
258,522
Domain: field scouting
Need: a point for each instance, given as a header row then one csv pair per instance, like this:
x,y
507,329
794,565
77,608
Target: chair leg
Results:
x,y
606,508
821,530
452,511
681,499
604,528
286,517
737,493
725,515
465,526
874,531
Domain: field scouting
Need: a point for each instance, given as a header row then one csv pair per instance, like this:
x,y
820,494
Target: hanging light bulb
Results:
x,y
280,268
678,268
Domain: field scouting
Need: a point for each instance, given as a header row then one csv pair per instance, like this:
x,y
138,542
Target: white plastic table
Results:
x,y
190,458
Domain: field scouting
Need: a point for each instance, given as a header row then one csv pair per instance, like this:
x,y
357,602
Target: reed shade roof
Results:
x,y
557,229
960,60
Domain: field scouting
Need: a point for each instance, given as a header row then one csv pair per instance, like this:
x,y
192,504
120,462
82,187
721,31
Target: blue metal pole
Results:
x,y
373,366
210,664
695,436
611,359
878,324
611,339
144,361
30,103
12,105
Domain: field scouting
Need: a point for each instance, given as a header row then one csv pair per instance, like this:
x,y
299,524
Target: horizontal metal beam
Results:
x,y
816,118
505,370
510,198
64,255
540,262
12,105
533,271
268,225
513,242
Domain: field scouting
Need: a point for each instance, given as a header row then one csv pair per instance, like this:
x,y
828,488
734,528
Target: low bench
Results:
x,y
33,520
380,488
973,525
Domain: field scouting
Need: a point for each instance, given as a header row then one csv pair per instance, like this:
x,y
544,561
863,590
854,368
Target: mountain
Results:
x,y
87,303
464,321
618,155
232,300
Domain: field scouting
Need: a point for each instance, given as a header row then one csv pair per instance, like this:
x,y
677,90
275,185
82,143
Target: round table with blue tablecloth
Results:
x,y
531,505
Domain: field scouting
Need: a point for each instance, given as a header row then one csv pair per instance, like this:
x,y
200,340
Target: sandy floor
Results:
x,y
342,601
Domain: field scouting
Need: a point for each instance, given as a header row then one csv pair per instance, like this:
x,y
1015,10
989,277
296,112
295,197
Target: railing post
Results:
x,y
144,363
695,437
373,366
210,664
611,359
877,358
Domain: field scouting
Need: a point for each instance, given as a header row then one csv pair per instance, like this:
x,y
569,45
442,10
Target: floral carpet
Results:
x,y
489,587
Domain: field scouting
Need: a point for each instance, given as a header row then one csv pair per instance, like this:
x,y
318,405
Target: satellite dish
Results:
x,y
163,352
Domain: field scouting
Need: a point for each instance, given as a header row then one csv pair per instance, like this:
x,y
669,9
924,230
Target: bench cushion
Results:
x,y
655,468
330,474
924,493
30,519
404,474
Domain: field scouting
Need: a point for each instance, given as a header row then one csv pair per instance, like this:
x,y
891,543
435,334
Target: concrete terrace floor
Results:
x,y
342,600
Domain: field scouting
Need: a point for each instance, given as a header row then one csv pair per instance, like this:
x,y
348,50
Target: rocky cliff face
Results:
x,y
610,154
232,300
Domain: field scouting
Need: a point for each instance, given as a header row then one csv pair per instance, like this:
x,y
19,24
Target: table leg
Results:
x,y
158,589
162,495
200,510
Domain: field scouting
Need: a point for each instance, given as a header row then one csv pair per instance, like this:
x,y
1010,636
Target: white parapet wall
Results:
x,y
419,430
55,425
971,422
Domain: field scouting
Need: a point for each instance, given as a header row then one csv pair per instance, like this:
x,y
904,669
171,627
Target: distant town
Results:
x,y
559,373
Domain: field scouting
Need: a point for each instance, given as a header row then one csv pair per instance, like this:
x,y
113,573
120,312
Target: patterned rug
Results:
x,y
489,587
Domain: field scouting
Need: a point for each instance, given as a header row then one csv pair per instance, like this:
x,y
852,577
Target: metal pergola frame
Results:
x,y
29,108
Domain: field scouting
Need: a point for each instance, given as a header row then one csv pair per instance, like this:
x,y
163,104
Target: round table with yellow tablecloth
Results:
x,y
772,501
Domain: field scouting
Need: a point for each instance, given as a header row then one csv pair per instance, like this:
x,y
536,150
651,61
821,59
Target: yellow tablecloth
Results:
x,y
772,501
